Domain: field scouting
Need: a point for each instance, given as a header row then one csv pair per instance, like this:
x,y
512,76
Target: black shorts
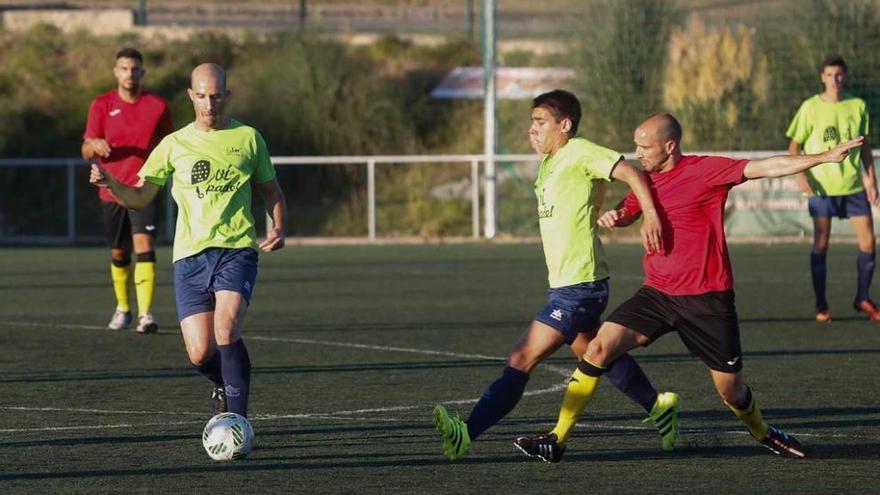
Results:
x,y
707,324
120,222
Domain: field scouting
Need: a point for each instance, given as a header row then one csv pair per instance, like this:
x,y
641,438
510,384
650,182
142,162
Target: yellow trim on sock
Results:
x,y
578,394
144,285
119,276
752,418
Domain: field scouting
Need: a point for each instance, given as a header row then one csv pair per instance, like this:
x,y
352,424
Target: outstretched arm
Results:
x,y
794,149
276,205
134,197
782,165
651,231
869,178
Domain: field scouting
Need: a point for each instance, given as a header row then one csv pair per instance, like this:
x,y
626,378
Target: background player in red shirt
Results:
x,y
123,126
688,285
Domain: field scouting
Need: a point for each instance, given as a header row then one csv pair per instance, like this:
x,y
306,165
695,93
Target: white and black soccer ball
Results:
x,y
228,436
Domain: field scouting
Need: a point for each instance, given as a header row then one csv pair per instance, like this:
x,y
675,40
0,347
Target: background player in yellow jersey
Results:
x,y
123,126
570,189
844,190
214,161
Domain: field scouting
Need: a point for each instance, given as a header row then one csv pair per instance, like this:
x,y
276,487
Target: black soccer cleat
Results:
x,y
218,401
545,447
781,443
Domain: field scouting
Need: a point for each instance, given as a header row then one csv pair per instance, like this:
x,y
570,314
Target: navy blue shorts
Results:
x,y
851,205
198,277
575,309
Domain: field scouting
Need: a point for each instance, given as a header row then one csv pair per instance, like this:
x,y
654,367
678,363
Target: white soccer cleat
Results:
x,y
146,324
121,319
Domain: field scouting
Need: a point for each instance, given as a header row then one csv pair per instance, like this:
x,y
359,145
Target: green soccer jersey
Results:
x,y
212,174
570,189
819,126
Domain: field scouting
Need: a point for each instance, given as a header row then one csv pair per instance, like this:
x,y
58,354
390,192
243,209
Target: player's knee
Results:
x,y
521,360
199,355
597,353
120,258
226,334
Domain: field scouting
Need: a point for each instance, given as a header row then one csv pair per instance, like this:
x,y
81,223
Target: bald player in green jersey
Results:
x,y
570,188
844,190
214,162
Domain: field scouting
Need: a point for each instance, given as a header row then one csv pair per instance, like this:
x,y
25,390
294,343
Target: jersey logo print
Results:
x,y
830,134
543,210
115,112
200,173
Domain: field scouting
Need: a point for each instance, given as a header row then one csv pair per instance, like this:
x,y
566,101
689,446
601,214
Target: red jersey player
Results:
x,y
123,126
688,285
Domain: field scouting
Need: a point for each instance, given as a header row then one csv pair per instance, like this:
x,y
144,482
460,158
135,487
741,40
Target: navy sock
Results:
x,y
818,270
627,376
499,399
865,265
210,369
236,367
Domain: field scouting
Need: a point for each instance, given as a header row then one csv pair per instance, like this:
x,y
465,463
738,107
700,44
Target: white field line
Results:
x,y
274,417
340,415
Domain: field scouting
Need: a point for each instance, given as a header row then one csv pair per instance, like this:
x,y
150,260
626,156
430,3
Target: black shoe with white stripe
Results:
x,y
545,447
781,443
218,401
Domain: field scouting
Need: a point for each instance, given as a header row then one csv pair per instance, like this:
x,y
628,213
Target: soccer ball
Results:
x,y
228,436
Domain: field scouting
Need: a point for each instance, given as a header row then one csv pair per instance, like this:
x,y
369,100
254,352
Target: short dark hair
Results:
x,y
833,60
562,105
671,128
130,53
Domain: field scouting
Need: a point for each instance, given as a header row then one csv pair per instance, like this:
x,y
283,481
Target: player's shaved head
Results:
x,y
209,95
204,73
662,126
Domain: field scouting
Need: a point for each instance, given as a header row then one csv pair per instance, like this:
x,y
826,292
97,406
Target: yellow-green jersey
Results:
x,y
819,126
570,189
212,174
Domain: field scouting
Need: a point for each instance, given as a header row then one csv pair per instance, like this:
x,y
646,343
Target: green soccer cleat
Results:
x,y
456,441
664,415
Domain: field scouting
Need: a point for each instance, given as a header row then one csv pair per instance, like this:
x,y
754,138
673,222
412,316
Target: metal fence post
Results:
x,y
371,199
475,198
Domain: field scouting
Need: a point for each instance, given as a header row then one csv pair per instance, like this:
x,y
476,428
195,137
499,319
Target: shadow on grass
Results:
x,y
363,460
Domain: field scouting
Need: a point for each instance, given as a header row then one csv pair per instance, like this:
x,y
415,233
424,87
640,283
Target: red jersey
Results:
x,y
690,202
131,129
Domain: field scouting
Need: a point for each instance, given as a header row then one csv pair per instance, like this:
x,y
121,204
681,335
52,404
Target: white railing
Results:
x,y
370,162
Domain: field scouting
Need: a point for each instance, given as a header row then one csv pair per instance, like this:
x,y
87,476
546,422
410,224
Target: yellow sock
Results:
x,y
752,417
144,284
119,275
580,391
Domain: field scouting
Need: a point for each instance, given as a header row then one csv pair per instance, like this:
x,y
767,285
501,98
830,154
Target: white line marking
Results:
x,y
96,411
341,415
274,417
